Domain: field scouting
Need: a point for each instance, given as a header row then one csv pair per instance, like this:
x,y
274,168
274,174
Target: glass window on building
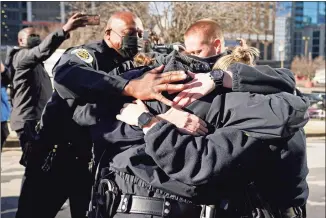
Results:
x,y
299,9
298,36
315,42
315,52
10,15
24,16
298,25
298,18
10,4
322,7
316,34
299,4
321,12
310,10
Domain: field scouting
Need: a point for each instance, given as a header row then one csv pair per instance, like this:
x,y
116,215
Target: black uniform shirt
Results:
x,y
90,73
89,76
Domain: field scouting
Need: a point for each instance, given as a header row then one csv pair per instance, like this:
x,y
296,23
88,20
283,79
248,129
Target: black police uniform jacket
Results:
x,y
90,71
289,117
89,76
243,126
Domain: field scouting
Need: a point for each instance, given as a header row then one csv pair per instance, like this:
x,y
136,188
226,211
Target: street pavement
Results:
x,y
316,178
12,172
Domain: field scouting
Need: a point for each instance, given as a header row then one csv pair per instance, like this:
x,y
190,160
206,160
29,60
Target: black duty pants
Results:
x,y
43,193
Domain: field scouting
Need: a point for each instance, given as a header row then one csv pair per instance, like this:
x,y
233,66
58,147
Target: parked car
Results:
x,y
319,94
314,97
317,111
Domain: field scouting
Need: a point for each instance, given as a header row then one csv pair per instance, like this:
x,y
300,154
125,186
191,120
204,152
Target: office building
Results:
x,y
19,14
12,16
308,29
282,33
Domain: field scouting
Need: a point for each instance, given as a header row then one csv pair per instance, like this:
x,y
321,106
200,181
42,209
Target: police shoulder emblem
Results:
x,y
83,55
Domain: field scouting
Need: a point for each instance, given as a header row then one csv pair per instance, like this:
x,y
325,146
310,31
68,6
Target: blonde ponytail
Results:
x,y
242,54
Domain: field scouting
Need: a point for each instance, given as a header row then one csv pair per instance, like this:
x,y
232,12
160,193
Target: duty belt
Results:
x,y
157,207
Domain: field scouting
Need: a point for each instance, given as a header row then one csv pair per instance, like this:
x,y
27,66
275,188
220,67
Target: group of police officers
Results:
x,y
197,142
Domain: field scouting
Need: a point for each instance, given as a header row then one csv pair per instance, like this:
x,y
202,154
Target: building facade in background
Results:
x,y
282,33
287,29
264,16
44,11
12,16
19,14
308,29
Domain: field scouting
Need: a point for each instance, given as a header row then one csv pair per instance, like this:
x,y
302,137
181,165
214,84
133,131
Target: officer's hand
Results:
x,y
130,112
186,122
200,86
77,20
153,83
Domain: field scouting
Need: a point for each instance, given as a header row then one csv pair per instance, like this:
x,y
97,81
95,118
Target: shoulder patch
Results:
x,y
83,55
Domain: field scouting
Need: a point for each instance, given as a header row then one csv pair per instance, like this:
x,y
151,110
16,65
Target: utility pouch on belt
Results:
x,y
107,198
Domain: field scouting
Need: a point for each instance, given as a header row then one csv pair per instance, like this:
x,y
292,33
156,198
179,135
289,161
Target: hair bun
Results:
x,y
239,54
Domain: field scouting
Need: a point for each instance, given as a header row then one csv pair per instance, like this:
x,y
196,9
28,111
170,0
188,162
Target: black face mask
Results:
x,y
33,41
129,47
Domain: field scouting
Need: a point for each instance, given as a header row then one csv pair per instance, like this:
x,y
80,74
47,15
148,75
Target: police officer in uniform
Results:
x,y
82,90
59,165
60,141
139,183
59,152
92,73
143,189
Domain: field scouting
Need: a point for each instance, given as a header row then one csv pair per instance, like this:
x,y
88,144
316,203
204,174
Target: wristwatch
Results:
x,y
144,119
217,76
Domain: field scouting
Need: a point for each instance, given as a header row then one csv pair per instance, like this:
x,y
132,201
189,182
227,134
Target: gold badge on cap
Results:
x,y
83,55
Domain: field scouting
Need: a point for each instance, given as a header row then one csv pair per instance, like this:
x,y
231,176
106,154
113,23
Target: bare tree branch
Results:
x,y
173,18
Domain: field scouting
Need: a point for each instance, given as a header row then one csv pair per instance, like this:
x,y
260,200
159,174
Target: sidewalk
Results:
x,y
314,128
